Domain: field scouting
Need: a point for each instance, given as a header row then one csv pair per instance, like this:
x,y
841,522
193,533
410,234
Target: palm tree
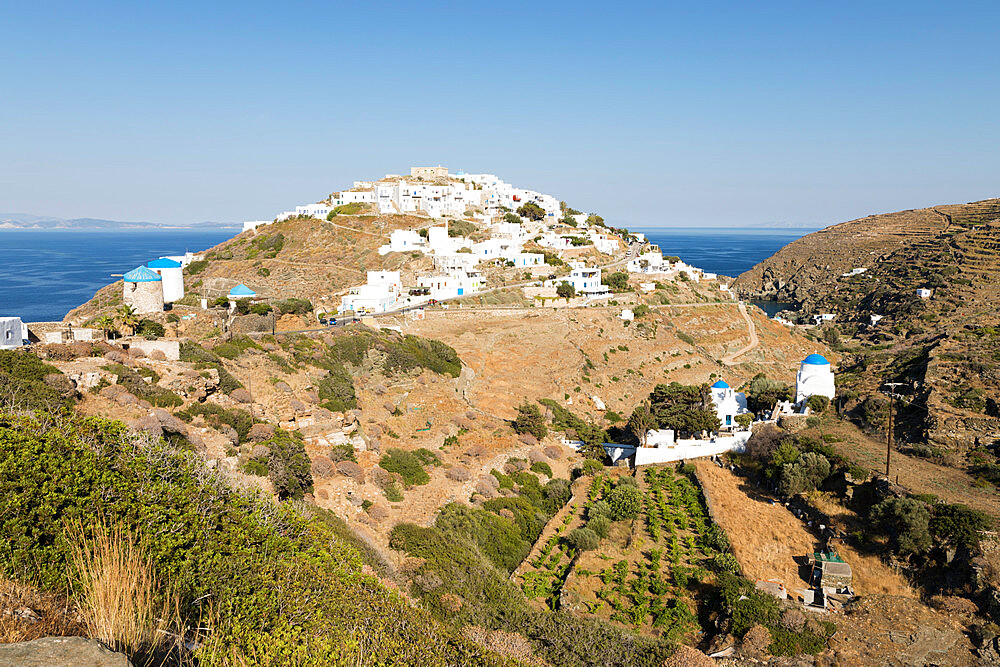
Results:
x,y
105,323
128,318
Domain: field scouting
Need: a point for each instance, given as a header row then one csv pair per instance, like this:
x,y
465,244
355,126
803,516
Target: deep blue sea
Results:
x,y
726,251
45,274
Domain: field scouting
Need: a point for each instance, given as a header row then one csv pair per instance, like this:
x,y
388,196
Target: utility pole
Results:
x,y
888,438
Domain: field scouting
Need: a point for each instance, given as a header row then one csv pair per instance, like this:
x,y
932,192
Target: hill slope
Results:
x,y
946,348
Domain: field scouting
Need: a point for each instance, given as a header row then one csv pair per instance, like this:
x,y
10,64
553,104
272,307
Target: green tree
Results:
x,y
565,290
641,421
105,323
806,474
907,523
531,211
530,420
616,282
958,524
745,420
512,218
128,318
763,393
683,408
594,219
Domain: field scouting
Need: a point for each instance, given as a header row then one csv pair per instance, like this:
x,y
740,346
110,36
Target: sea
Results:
x,y
45,274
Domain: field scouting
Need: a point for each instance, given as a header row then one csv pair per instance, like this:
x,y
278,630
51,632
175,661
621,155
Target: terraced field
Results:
x,y
650,573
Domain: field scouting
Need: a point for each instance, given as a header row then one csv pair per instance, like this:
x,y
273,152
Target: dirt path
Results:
x,y
729,360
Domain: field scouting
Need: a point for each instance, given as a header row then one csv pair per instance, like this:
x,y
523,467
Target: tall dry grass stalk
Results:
x,y
120,595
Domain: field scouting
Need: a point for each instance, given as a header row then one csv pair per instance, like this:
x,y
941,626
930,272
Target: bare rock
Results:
x,y
298,407
378,512
61,652
458,474
157,355
553,452
282,386
117,356
312,396
527,439
136,353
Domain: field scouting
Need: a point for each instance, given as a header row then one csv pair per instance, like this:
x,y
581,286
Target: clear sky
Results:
x,y
658,114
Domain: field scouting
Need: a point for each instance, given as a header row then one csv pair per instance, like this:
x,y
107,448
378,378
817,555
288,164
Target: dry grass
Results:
x,y
770,543
27,614
122,601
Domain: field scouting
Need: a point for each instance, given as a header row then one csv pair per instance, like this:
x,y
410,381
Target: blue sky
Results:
x,y
659,114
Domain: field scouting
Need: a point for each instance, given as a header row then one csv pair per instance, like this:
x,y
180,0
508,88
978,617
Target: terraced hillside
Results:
x,y
945,347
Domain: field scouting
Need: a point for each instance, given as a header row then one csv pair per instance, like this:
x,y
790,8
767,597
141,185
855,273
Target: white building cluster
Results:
x,y
652,261
430,191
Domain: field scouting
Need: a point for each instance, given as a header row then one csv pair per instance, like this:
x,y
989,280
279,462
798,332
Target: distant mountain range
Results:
x,y
43,222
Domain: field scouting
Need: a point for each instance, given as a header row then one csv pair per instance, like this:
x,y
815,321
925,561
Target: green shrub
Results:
x,y
22,374
256,561
147,391
215,415
150,329
583,539
336,391
294,306
235,346
393,493
625,501
600,524
591,467
745,605
407,464
817,403
194,268
906,521
543,468
288,465
191,352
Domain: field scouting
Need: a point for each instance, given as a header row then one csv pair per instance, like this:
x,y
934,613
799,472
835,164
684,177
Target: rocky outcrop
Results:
x,y
61,652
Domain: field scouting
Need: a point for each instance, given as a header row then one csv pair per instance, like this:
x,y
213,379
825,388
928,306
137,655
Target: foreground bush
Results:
x,y
285,589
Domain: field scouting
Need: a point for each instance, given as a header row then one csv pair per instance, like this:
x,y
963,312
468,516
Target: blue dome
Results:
x,y
164,263
816,360
242,290
720,385
141,274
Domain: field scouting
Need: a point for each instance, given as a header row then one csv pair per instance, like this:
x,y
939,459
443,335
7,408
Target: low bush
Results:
x,y
285,589
148,391
22,377
407,464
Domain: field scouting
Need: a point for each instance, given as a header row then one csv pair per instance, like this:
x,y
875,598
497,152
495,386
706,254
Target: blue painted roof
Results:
x,y
721,384
164,263
242,290
141,274
816,360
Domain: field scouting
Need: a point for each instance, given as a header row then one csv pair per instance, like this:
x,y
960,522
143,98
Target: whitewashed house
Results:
x,y
445,286
924,293
587,281
254,224
526,259
13,333
728,404
378,295
815,378
403,240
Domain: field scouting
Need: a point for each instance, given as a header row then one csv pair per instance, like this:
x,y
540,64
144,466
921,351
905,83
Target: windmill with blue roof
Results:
x,y
142,290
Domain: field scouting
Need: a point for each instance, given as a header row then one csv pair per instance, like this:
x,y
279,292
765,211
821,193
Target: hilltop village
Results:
x,y
470,417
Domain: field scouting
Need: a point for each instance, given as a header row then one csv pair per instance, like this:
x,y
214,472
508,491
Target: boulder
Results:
x,y
147,423
169,423
282,386
61,652
241,396
458,474
229,433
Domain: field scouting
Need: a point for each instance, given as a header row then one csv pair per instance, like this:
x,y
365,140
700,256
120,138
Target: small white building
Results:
x,y
254,224
815,378
627,315
378,295
172,273
523,259
924,293
586,280
444,286
824,317
874,319
728,404
13,333
403,240
661,437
